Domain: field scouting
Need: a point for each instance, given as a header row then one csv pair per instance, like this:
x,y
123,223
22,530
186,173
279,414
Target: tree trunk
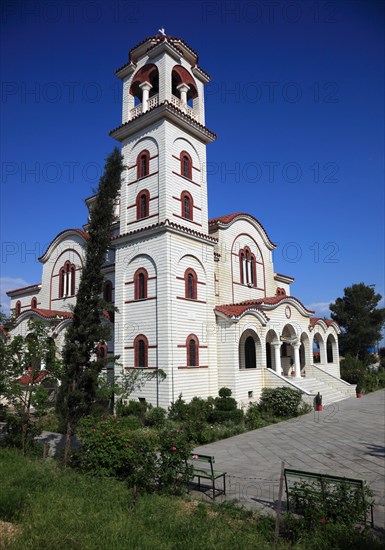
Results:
x,y
67,446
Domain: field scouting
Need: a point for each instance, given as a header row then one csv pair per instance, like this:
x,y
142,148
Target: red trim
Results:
x,y
192,368
17,308
150,199
148,73
140,300
190,284
187,205
143,164
185,165
186,219
141,351
182,76
140,284
141,179
148,279
54,268
192,348
142,204
190,300
146,218
187,179
102,353
34,303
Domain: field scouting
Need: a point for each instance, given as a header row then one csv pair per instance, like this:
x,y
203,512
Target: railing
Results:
x,y
154,102
179,104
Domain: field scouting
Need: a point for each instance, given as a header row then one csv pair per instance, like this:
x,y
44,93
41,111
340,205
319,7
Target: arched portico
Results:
x,y
319,348
273,351
305,353
331,349
250,350
290,351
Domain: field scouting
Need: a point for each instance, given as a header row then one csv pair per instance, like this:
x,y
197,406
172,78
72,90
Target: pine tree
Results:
x,y
81,368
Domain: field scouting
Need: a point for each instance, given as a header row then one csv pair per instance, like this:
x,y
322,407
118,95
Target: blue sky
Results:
x,y
296,99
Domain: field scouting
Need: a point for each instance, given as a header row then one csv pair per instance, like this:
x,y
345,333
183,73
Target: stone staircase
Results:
x,y
313,386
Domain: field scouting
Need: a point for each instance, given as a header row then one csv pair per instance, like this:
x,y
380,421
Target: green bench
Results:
x,y
296,492
203,468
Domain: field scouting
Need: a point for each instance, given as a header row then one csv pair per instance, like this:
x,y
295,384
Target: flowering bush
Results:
x,y
174,472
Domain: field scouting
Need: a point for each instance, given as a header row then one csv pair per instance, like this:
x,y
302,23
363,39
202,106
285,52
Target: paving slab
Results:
x,y
346,439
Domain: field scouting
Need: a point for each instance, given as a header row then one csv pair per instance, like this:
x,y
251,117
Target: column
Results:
x,y
146,87
322,352
183,89
297,364
277,357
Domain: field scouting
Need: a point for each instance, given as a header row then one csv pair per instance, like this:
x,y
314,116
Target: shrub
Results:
x,y
224,392
199,409
111,448
336,503
283,402
155,417
174,472
352,369
135,408
178,410
254,418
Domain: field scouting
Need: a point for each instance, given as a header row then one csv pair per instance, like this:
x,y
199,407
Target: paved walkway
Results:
x,y
346,438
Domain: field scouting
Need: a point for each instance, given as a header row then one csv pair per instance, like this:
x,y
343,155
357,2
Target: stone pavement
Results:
x,y
347,438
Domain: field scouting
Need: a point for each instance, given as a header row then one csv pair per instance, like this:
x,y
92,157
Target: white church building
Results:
x,y
197,298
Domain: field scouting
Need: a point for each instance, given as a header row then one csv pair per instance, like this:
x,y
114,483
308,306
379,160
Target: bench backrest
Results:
x,y
312,476
195,457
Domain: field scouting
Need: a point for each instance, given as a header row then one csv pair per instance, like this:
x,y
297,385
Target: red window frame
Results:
x,y
190,284
143,164
186,165
141,352
143,206
140,284
102,353
187,213
192,350
34,303
17,308
245,255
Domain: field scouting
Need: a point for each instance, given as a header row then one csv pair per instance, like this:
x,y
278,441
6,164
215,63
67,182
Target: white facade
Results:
x,y
198,299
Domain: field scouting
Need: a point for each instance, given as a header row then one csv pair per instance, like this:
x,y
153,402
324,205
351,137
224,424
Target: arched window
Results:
x,y
34,303
191,283
67,280
187,205
329,349
186,165
143,164
142,204
107,291
18,308
250,357
141,351
140,284
247,266
102,354
192,345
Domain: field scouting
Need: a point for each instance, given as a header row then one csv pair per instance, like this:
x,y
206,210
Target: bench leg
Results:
x,y
224,484
213,489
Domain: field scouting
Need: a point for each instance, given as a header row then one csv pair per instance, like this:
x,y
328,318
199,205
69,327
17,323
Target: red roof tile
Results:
x,y
238,309
50,313
314,320
228,218
169,224
27,377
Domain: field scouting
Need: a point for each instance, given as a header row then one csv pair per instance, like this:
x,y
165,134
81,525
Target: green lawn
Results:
x,y
56,509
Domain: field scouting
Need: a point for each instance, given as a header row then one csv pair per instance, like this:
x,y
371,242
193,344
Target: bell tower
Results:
x,y
163,212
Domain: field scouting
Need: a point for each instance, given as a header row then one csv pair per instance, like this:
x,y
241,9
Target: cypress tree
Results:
x,y
81,368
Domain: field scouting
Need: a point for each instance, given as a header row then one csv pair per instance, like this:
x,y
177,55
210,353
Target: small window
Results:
x,y
18,308
192,345
140,284
187,205
143,164
102,354
67,280
247,266
186,165
34,303
141,351
142,204
107,291
191,280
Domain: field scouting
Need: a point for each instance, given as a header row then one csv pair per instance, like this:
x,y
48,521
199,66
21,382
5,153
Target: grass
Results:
x,y
56,509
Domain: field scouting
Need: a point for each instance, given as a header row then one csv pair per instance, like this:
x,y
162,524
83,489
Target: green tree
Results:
x,y
78,390
360,319
24,356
